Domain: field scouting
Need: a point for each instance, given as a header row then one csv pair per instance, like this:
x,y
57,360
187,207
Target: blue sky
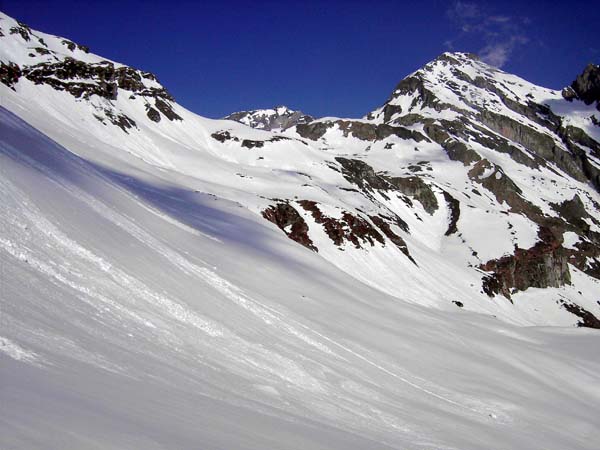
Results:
x,y
336,58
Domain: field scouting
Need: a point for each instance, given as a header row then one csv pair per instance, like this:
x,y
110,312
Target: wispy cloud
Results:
x,y
499,35
497,54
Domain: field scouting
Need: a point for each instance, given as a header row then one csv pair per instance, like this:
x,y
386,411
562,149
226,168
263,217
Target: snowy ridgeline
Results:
x,y
147,303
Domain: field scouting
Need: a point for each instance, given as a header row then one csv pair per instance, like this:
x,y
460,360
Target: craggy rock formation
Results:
x,y
417,188
102,79
10,74
543,265
121,120
573,212
586,86
382,222
364,176
349,227
586,254
587,318
494,179
360,130
454,206
23,30
224,135
361,174
293,225
86,79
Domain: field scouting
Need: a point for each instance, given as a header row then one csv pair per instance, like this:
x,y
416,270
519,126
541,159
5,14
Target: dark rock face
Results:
x,y
586,254
417,188
72,46
543,265
152,114
9,74
313,131
349,227
121,120
106,79
382,222
23,30
166,109
82,79
454,206
355,229
504,189
360,130
293,225
458,151
569,94
587,84
223,135
587,318
573,211
248,143
361,174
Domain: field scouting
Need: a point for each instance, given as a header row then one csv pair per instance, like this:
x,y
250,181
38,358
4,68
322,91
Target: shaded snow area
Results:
x,y
171,281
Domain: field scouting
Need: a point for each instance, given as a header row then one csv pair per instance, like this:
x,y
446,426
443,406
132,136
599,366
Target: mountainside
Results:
x,y
172,281
278,118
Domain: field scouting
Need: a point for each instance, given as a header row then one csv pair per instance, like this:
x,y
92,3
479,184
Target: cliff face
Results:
x,y
541,266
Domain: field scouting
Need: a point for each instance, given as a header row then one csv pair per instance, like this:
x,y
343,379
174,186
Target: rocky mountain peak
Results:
x,y
63,65
586,86
278,118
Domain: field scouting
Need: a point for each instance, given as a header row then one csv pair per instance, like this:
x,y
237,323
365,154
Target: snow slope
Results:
x,y
147,303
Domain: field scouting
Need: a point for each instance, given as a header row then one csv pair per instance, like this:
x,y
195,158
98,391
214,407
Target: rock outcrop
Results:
x,y
543,265
293,225
586,86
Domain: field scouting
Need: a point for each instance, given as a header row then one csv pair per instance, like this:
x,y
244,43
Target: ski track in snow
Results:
x,y
268,315
18,353
112,288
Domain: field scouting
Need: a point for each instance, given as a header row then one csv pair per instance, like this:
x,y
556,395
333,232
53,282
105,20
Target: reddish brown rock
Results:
x,y
293,225
350,228
543,265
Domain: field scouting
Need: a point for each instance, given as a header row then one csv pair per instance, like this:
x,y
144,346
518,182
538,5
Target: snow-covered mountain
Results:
x,y
276,119
172,281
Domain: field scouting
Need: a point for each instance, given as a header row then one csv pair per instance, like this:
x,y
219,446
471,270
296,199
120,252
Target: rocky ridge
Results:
x,y
65,66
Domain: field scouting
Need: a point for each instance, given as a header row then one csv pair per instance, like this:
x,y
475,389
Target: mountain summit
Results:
x,y
417,278
276,119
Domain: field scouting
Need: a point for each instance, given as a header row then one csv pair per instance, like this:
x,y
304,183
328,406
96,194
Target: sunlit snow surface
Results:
x,y
135,314
145,303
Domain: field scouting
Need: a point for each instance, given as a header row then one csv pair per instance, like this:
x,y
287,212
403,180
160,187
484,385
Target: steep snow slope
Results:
x,y
147,303
384,203
136,313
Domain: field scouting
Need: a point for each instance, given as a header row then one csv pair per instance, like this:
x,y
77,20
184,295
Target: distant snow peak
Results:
x,y
278,118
